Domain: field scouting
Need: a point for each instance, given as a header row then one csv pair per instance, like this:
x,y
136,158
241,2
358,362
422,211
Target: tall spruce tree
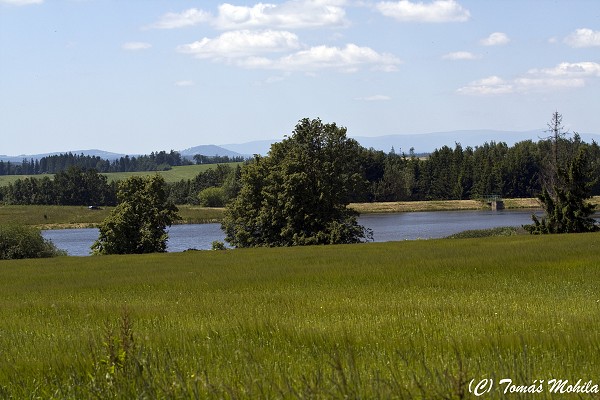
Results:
x,y
566,187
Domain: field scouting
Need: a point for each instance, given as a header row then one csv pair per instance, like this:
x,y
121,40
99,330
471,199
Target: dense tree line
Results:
x,y
155,161
447,173
223,176
78,186
75,186
466,173
202,159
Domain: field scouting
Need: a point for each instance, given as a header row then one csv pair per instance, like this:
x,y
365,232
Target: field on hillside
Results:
x,y
419,319
175,174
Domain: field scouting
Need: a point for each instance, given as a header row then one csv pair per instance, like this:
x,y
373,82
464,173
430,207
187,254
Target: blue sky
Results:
x,y
137,76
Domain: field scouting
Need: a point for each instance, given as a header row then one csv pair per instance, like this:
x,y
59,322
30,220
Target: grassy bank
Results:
x,y
49,217
414,319
60,217
441,205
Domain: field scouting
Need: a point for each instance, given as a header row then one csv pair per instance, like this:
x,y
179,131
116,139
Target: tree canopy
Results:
x,y
138,223
298,194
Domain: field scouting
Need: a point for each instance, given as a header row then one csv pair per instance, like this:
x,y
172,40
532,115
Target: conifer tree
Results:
x,y
566,189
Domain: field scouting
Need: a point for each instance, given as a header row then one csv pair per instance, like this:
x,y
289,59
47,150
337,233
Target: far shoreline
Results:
x,y
72,217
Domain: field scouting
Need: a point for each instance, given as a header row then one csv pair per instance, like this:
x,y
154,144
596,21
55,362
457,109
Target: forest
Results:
x,y
155,161
446,174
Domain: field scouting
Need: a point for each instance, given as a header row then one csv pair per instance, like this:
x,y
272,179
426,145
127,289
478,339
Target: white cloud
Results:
x,y
377,97
487,86
292,14
460,55
436,11
252,49
583,38
183,19
495,39
347,59
547,84
133,46
570,70
244,43
21,2
563,76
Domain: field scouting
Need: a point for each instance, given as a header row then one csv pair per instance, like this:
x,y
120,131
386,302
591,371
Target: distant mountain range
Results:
x,y
208,150
422,143
105,155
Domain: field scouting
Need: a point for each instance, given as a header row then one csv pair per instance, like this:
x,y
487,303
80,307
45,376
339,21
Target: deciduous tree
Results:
x,y
298,194
138,223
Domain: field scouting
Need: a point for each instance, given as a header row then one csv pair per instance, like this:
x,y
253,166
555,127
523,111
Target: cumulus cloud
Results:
x,y
563,76
244,43
21,2
436,11
288,15
347,59
133,46
583,38
460,55
570,70
183,19
495,39
487,86
254,49
292,14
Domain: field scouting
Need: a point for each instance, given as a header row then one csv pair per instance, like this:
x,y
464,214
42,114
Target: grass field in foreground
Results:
x,y
416,319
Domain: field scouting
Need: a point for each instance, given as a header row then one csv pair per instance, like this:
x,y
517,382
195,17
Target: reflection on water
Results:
x,y
439,224
386,227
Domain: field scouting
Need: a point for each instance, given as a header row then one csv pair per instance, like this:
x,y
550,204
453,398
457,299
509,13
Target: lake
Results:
x,y
386,227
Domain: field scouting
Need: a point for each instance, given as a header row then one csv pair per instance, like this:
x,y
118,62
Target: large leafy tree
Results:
x,y
138,223
298,194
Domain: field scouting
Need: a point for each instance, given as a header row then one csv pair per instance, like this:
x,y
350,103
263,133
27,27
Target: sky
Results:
x,y
135,76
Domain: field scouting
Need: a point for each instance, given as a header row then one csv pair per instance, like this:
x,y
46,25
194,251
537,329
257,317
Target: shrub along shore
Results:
x,y
61,217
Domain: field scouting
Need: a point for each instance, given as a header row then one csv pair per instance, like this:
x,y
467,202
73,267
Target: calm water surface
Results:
x,y
386,227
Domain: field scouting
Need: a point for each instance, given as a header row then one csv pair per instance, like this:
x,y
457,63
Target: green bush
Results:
x,y
480,233
212,197
18,242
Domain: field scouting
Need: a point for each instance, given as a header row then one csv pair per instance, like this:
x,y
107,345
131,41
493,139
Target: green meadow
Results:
x,y
415,319
175,174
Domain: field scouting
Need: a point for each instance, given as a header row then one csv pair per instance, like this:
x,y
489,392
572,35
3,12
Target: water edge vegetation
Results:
x,y
59,217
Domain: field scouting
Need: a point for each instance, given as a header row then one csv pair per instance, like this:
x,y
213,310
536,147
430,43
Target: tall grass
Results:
x,y
414,319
